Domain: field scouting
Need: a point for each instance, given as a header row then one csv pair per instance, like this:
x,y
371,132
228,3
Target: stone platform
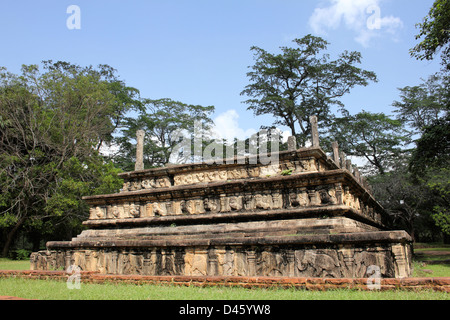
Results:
x,y
303,215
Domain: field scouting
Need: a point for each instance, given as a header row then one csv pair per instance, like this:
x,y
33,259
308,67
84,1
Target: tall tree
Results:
x,y
47,121
163,120
301,82
422,105
429,164
374,136
403,199
434,34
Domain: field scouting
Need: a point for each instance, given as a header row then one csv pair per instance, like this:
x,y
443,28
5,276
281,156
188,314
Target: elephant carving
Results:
x,y
314,264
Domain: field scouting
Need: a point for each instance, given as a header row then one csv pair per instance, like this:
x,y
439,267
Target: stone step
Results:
x,y
229,229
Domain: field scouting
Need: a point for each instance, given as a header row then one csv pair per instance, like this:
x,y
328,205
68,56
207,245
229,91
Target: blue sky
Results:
x,y
198,52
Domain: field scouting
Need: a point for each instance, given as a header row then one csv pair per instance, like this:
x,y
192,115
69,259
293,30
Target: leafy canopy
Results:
x,y
300,82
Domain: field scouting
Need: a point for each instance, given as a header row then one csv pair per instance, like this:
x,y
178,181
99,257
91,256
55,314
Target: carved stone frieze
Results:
x,y
301,260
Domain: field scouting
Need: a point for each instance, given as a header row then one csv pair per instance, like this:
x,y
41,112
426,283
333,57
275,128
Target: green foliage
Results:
x,y
422,105
435,32
430,163
374,136
164,122
433,147
52,125
438,181
7,219
21,254
286,172
301,82
442,218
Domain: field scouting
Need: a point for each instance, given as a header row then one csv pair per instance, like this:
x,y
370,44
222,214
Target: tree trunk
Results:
x,y
446,238
11,235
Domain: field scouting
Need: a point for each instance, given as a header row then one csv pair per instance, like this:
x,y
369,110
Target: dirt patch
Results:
x,y
11,298
432,253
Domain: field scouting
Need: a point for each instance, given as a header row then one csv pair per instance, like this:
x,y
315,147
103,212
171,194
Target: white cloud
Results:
x,y
226,126
363,17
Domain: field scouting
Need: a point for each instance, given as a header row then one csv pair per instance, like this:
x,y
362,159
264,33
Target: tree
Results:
x,y
403,199
433,147
373,136
435,32
429,164
122,98
163,120
422,105
49,122
301,82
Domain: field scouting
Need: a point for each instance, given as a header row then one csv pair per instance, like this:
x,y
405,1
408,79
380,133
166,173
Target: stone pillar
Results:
x,y
357,175
349,262
314,131
114,262
146,261
251,260
342,158
335,147
68,259
339,193
292,143
348,165
139,150
290,255
213,265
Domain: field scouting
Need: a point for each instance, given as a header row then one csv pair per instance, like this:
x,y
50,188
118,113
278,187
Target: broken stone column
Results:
x,y
348,165
335,147
314,131
292,143
357,175
139,150
342,159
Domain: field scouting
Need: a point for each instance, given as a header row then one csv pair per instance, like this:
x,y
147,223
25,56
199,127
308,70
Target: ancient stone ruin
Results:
x,y
309,215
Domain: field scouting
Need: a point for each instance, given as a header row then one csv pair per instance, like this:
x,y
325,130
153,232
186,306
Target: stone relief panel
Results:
x,y
326,262
225,261
195,261
272,263
233,173
264,200
97,213
317,263
146,184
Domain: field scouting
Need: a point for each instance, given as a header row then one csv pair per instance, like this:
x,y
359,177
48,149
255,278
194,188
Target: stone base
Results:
x,y
353,255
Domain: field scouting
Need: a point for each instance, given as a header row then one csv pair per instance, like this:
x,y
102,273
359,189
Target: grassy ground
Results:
x,y
56,290
430,261
7,264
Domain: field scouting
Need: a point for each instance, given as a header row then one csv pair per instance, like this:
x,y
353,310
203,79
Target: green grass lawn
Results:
x,y
57,290
431,260
7,264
